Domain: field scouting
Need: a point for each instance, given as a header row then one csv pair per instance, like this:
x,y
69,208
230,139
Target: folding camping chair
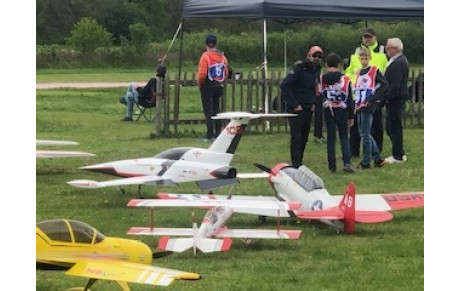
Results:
x,y
145,112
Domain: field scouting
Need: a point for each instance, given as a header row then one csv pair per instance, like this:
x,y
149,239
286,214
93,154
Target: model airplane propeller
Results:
x,y
63,244
303,185
209,168
213,235
59,154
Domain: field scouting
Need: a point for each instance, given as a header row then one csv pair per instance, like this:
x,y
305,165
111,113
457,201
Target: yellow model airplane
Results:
x,y
79,247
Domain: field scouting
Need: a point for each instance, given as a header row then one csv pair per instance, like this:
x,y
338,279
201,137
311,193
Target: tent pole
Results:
x,y
265,71
285,52
181,53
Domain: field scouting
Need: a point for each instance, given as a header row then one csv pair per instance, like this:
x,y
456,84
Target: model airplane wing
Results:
x,y
61,154
145,180
252,175
335,214
55,143
241,198
128,272
250,207
387,202
160,231
258,233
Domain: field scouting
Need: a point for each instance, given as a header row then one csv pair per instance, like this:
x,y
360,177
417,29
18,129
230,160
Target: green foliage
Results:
x,y
140,37
245,47
88,35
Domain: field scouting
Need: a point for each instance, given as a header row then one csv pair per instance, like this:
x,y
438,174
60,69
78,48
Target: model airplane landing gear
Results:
x,y
139,192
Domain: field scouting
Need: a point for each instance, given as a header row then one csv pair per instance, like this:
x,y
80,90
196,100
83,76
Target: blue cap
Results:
x,y
211,40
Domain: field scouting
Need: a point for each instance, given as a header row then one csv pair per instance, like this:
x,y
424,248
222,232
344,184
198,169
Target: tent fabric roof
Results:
x,y
288,10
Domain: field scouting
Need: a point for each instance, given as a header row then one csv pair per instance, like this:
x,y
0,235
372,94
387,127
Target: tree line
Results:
x,y
122,33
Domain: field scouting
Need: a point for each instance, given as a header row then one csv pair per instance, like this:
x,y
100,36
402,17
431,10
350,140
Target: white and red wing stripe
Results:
x,y
259,233
160,231
236,205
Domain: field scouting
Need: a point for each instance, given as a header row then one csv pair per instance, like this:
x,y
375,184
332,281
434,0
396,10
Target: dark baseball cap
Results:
x,y
369,31
161,71
211,40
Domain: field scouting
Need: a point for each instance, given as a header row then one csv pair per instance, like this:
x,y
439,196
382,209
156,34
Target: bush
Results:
x,y
140,37
89,35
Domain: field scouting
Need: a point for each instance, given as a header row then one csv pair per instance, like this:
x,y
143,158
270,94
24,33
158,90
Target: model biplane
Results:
x,y
213,234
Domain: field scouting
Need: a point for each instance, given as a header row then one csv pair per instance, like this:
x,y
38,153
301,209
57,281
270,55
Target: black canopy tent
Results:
x,y
300,10
288,10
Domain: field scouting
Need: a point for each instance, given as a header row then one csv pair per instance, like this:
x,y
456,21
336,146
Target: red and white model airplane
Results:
x,y
41,154
209,168
341,212
213,235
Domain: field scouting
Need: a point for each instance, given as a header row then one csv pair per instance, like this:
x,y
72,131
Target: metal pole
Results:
x,y
264,72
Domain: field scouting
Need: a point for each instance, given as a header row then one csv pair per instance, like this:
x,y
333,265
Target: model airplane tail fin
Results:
x,y
228,139
206,245
347,207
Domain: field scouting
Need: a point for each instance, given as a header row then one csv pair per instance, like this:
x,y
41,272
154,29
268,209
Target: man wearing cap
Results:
x,y
379,60
299,91
212,71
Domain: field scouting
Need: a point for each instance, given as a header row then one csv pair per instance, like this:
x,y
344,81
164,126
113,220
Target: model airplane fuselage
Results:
x,y
77,246
193,164
209,168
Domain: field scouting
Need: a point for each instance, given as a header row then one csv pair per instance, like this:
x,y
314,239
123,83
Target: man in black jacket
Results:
x,y
396,96
299,91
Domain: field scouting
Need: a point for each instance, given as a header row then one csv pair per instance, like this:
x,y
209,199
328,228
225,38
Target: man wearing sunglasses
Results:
x,y
379,60
299,91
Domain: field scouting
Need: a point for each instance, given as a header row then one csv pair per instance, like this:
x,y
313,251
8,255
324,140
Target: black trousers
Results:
x,y
210,99
318,133
376,132
394,115
300,128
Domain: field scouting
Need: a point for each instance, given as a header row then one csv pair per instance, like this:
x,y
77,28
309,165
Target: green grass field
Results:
x,y
387,256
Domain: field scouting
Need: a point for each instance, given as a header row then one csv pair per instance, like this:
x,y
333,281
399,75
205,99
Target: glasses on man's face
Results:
x,y
317,56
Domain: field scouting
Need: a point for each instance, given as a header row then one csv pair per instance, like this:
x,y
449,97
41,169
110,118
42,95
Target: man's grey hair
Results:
x,y
397,43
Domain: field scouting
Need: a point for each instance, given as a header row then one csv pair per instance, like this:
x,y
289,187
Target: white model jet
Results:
x,y
341,212
59,154
213,235
209,168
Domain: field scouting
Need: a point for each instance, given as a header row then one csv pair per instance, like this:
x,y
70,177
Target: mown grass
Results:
x,y
139,74
387,256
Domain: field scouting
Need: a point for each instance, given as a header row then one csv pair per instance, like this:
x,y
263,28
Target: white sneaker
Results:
x,y
404,158
392,160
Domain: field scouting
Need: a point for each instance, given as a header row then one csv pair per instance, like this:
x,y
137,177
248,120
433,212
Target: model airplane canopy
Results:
x,y
209,168
79,247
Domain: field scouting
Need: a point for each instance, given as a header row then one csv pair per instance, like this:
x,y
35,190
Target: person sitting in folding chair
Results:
x,y
143,97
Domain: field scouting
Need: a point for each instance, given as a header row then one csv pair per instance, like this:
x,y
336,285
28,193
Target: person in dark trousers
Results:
x,y
379,60
338,104
318,126
397,74
369,88
212,71
299,92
